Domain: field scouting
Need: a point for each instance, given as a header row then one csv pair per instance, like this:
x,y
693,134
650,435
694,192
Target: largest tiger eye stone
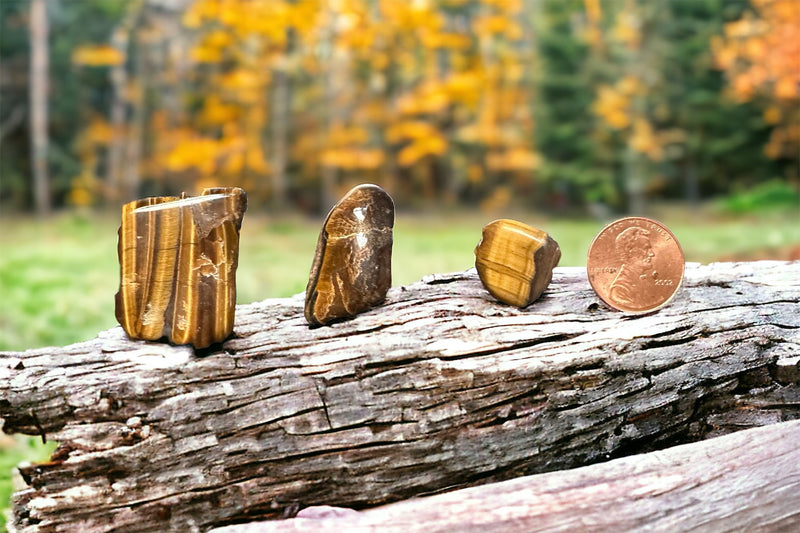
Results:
x,y
515,261
178,258
352,269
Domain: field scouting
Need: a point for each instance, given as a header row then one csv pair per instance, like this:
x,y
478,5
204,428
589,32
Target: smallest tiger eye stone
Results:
x,y
515,261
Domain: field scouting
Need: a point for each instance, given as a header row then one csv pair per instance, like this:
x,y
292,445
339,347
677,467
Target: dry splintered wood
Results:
x,y
440,388
707,486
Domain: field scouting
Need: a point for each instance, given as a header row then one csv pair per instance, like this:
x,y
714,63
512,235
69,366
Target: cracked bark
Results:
x,y
440,388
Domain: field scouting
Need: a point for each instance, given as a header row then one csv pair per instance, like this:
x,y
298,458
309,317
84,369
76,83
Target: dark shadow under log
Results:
x,y
440,388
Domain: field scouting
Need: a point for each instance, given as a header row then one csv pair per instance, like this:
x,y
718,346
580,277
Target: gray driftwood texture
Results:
x,y
746,481
440,388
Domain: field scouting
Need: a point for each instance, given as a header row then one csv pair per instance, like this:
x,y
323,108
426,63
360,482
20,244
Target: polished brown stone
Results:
x,y
178,258
352,267
515,261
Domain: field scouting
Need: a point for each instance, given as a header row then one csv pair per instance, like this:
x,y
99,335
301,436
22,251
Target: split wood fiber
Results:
x,y
440,388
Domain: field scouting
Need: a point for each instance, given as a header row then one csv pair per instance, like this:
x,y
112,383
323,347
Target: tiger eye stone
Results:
x,y
515,261
352,269
178,258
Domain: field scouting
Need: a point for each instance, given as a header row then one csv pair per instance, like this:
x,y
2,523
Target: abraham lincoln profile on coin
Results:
x,y
633,286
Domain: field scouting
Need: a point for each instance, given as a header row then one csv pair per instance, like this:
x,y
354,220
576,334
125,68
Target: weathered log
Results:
x,y
440,388
746,481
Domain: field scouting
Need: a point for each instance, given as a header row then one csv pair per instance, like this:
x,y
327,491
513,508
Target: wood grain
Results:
x,y
440,388
747,481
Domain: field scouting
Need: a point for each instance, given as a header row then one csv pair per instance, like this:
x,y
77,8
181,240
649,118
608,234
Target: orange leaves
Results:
x,y
761,53
99,55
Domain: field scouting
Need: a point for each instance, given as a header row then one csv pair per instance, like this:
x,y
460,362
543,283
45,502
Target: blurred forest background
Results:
x,y
562,113
567,106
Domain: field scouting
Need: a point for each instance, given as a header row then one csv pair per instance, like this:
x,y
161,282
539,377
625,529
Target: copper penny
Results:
x,y
635,264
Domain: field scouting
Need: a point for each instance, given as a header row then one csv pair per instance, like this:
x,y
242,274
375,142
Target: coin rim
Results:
x,y
677,286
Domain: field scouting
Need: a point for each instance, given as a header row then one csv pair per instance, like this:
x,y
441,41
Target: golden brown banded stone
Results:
x,y
352,269
515,261
178,258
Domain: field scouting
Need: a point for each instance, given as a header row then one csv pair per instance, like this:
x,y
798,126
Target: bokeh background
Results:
x,y
561,113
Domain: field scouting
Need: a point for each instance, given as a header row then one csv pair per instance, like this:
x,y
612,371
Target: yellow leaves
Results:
x,y
99,55
425,140
772,115
498,200
612,106
436,96
201,11
644,140
215,112
429,98
507,7
434,146
345,150
613,103
99,131
84,189
353,158
787,88
627,29
410,130
497,25
340,135
206,54
514,159
197,153
630,86
410,15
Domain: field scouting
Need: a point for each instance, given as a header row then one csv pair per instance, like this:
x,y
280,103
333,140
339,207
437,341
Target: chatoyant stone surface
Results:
x,y
178,259
352,269
515,261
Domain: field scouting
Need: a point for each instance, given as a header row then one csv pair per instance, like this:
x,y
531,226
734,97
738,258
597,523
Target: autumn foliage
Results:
x,y
760,53
547,103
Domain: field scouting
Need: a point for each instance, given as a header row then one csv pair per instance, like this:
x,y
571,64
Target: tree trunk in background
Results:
x,y
280,129
38,104
116,149
133,149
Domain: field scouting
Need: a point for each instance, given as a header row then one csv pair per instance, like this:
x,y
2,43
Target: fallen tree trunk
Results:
x,y
746,481
440,388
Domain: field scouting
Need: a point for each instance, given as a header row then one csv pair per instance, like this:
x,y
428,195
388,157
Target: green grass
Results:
x,y
12,452
58,277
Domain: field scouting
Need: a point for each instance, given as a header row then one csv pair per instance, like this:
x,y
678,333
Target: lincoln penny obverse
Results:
x,y
635,265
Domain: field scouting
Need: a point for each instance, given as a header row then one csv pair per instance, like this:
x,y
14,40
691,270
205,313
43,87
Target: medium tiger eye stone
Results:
x,y
178,258
352,269
515,261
